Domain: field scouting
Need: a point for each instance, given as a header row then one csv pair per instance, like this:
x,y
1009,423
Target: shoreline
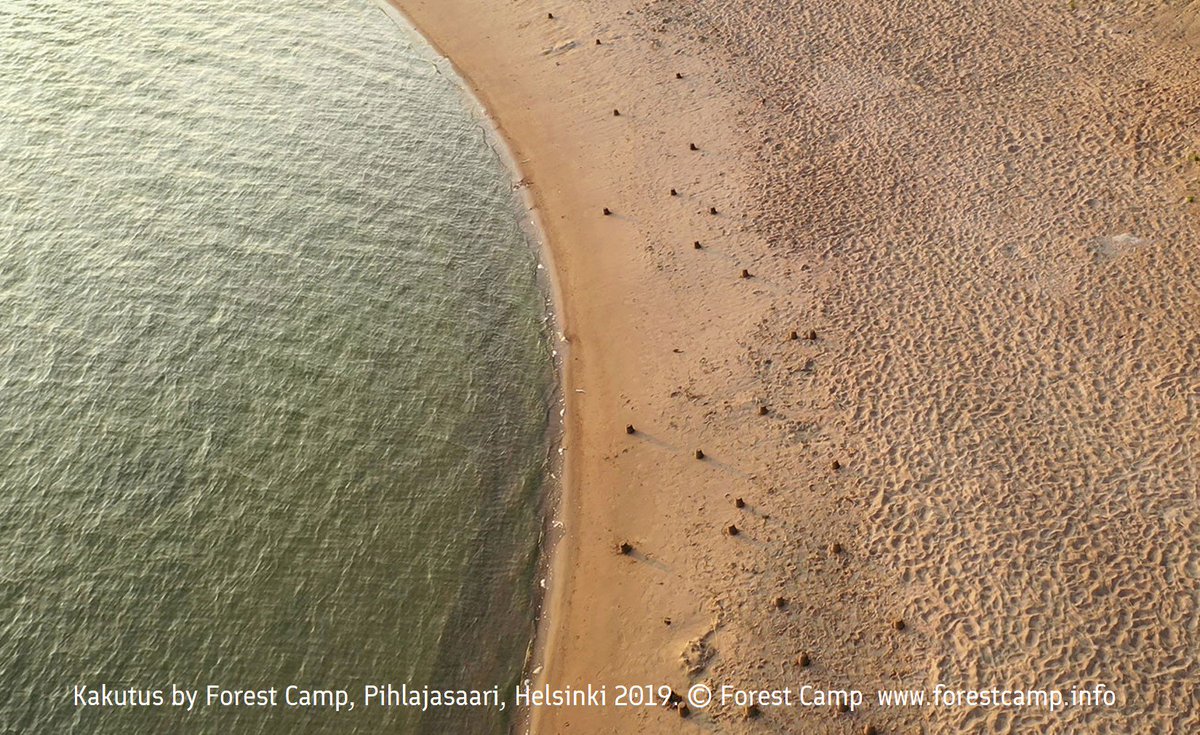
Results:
x,y
548,567
531,222
581,629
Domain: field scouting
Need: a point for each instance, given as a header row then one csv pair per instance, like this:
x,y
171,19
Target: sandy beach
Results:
x,y
883,345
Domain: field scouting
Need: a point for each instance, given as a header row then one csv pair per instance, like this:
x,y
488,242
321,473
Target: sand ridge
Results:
x,y
981,215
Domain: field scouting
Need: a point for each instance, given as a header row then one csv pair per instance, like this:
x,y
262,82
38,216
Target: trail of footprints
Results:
x,y
988,495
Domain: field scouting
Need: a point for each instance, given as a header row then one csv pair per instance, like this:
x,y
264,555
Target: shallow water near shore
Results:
x,y
274,370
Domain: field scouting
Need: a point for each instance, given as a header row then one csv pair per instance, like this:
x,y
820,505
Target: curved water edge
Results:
x,y
210,467
548,280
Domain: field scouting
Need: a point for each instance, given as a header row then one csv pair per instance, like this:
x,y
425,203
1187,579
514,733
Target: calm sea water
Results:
x,y
274,380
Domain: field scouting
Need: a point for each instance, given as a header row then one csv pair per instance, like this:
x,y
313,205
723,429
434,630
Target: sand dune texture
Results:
x,y
941,335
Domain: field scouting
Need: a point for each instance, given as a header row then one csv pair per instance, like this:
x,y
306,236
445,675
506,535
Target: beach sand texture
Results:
x,y
983,214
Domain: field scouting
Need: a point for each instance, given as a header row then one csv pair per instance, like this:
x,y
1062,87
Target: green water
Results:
x,y
274,381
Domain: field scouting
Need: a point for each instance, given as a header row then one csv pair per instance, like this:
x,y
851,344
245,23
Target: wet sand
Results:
x,y
976,462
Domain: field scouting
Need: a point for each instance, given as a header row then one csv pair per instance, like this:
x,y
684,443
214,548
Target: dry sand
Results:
x,y
983,212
